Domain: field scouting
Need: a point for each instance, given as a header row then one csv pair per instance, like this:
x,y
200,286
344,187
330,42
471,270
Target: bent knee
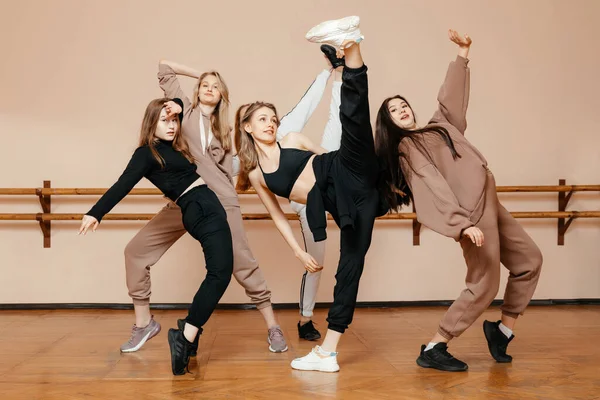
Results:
x,y
487,289
537,260
136,247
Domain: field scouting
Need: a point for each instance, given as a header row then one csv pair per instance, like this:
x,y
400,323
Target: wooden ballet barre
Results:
x,y
152,191
289,216
565,218
548,189
85,192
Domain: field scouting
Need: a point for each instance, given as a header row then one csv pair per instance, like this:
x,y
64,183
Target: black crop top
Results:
x,y
172,179
291,165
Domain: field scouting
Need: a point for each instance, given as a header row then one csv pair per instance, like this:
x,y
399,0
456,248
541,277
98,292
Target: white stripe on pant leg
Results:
x,y
310,281
302,293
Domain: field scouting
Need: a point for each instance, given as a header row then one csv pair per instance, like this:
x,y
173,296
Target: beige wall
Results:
x,y
76,75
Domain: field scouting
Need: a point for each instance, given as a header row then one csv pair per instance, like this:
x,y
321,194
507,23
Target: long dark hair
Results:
x,y
393,184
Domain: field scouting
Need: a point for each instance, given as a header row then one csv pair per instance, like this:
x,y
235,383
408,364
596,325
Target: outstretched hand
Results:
x,y
88,222
464,41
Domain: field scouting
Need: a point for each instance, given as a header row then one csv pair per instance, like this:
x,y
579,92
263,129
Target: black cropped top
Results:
x,y
291,165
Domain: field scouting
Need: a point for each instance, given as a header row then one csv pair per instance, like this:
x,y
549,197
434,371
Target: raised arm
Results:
x,y
181,69
169,83
139,164
282,223
453,97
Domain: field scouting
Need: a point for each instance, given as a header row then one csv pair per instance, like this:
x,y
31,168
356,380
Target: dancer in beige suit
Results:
x,y
454,194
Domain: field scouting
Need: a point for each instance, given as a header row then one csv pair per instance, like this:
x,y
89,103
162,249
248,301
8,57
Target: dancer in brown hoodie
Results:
x,y
454,194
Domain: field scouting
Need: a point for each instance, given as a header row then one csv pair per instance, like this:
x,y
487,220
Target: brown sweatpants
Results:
x,y
506,242
154,239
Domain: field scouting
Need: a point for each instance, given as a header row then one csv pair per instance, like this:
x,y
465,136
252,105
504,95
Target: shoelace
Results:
x,y
276,332
133,331
444,354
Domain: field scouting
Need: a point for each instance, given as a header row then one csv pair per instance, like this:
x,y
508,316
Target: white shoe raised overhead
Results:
x,y
335,32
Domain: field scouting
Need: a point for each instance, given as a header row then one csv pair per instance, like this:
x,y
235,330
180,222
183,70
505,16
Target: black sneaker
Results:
x,y
331,54
439,358
181,326
180,351
497,341
308,331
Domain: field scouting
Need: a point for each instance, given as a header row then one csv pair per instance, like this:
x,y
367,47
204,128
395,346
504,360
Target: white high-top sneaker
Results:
x,y
335,32
316,361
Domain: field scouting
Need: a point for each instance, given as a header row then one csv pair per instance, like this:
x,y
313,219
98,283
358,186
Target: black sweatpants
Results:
x,y
205,219
355,167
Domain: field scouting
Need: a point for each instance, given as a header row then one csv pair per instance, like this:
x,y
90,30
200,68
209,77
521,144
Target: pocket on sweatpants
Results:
x,y
193,213
212,205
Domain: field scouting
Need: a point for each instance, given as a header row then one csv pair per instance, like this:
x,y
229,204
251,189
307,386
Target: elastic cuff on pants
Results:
x,y
141,302
307,314
445,334
355,71
200,330
337,328
264,304
511,314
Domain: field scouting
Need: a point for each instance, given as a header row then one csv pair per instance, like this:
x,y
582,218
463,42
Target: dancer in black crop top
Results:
x,y
164,159
342,182
291,165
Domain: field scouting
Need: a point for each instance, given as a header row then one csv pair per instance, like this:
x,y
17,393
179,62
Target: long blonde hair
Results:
x,y
219,120
245,143
148,129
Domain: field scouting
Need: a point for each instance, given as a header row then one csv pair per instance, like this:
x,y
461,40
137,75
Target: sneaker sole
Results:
x,y
310,339
299,368
272,350
425,364
487,331
343,25
142,342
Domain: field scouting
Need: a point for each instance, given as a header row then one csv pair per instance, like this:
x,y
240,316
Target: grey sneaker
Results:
x,y
276,340
139,336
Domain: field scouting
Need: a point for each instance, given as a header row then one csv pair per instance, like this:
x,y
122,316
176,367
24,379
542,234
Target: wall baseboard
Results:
x,y
279,306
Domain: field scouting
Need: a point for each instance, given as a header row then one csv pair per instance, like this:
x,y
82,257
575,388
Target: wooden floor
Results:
x,y
75,355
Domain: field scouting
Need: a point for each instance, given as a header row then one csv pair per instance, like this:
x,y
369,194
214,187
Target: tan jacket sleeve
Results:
x,y
227,164
453,97
169,83
436,206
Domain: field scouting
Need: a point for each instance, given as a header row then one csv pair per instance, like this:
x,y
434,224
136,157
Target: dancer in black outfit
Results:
x,y
164,159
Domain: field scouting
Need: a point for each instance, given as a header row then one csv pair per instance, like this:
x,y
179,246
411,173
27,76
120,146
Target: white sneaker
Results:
x,y
314,361
335,32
